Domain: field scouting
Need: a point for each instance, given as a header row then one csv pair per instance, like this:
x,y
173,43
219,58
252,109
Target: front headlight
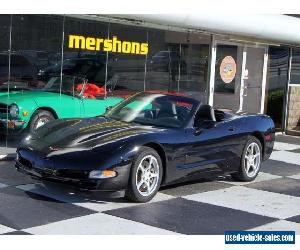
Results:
x,y
102,174
14,110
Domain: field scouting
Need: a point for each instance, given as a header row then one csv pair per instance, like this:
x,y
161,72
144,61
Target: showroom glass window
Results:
x,y
295,66
194,66
4,73
228,76
177,62
36,42
83,56
36,49
276,83
127,57
86,63
163,62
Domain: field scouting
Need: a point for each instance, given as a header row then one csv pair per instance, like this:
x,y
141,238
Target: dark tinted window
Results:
x,y
36,46
82,54
276,83
126,66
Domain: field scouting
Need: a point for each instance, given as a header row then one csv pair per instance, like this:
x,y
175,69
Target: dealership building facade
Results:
x,y
237,63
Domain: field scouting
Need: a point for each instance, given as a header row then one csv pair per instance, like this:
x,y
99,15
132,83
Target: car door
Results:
x,y
212,149
94,107
68,106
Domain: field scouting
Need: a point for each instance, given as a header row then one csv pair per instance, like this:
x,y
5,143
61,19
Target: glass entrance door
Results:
x,y
239,77
228,75
252,81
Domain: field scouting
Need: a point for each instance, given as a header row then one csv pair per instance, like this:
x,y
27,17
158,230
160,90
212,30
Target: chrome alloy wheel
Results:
x,y
252,159
41,122
147,175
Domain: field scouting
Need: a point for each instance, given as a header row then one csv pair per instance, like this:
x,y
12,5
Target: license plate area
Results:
x,y
10,125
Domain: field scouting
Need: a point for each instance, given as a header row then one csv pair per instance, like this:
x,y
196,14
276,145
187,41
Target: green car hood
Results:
x,y
17,97
4,93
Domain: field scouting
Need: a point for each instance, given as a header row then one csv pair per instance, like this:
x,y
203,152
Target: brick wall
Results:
x,y
293,120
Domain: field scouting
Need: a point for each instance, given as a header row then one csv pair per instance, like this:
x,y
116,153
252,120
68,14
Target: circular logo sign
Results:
x,y
228,69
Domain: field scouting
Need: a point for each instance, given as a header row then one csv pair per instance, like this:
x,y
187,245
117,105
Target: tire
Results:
x,y
39,117
249,171
140,175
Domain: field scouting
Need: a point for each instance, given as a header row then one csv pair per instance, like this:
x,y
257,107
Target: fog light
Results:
x,y
14,110
102,174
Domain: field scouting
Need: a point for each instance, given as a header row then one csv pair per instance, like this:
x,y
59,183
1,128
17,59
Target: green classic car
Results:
x,y
30,109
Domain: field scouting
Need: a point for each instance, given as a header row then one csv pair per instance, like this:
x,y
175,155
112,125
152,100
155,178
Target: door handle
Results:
x,y
231,129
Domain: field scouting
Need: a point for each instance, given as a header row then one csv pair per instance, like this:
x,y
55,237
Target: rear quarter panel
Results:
x,y
260,126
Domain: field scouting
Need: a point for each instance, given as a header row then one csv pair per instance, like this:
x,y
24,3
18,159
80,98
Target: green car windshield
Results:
x,y
154,110
70,84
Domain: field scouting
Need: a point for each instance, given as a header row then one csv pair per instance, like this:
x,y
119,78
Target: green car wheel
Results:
x,y
39,118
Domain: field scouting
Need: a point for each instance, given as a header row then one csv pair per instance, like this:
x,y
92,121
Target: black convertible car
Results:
x,y
147,141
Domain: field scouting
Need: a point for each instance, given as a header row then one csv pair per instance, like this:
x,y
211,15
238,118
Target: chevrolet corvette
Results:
x,y
147,141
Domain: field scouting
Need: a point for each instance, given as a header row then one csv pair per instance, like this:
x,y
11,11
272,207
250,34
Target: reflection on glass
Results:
x,y
222,85
116,61
228,77
178,63
83,60
295,66
276,83
4,77
126,70
194,69
162,62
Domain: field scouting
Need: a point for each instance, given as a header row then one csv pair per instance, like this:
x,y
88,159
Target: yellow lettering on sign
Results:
x,y
117,45
76,42
90,43
108,45
126,47
98,43
144,49
135,48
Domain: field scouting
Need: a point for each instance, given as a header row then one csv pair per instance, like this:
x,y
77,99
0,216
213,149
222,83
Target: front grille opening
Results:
x,y
73,174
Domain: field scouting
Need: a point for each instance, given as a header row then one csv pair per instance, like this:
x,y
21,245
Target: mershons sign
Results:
x,y
107,45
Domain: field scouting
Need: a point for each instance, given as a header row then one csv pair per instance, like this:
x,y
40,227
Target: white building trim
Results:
x,y
270,28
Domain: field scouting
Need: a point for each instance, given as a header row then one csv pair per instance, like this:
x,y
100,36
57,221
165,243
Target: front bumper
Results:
x,y
79,178
11,125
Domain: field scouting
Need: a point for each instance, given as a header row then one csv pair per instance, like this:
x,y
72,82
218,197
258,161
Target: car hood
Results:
x,y
18,96
4,93
84,134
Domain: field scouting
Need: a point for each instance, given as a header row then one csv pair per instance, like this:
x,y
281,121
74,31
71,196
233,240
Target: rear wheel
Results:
x,y
40,118
250,161
145,177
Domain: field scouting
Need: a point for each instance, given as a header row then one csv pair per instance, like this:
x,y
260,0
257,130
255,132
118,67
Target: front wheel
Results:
x,y
39,118
250,161
145,177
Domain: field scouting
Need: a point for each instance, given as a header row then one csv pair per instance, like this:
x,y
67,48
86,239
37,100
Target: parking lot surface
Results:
x,y
206,206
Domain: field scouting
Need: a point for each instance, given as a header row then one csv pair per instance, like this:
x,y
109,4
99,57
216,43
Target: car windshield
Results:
x,y
155,109
70,84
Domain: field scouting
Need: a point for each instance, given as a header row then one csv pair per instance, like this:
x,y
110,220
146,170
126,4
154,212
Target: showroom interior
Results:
x,y
123,55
